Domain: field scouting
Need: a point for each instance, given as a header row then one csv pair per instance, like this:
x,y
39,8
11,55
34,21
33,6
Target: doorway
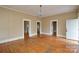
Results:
x,y
26,29
38,28
54,31
54,27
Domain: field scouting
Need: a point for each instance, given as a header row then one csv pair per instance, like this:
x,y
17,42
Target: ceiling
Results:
x,y
47,10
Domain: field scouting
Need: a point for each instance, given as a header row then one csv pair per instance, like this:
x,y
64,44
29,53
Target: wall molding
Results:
x,y
12,39
61,35
46,33
12,9
33,34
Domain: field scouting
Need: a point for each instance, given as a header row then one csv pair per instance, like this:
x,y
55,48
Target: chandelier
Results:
x,y
40,10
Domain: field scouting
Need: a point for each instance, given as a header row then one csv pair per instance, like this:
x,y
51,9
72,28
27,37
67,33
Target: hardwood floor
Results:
x,y
37,44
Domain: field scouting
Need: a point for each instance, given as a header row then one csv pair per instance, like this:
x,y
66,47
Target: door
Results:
x,y
38,28
54,24
26,29
72,29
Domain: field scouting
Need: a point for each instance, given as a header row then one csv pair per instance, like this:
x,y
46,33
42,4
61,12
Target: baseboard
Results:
x,y
62,36
33,34
51,34
45,33
40,33
12,39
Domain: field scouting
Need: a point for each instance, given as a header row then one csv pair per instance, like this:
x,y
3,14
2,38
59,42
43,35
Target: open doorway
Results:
x,y
54,27
54,31
38,28
26,29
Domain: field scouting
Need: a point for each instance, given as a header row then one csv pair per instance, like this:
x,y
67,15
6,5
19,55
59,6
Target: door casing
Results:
x,y
51,27
40,26
29,26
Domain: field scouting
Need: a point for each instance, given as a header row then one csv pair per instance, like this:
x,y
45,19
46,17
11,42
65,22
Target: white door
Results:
x,y
72,29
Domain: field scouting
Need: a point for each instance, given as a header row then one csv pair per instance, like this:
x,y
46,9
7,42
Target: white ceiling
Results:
x,y
47,10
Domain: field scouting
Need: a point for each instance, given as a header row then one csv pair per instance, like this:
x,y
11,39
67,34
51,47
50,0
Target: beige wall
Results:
x,y
61,22
11,24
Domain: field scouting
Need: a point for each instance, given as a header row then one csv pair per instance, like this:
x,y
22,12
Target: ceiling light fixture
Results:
x,y
40,10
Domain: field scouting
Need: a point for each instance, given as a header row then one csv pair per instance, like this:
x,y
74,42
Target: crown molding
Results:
x,y
16,10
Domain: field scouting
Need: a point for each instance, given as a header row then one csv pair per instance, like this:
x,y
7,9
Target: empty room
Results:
x,y
39,29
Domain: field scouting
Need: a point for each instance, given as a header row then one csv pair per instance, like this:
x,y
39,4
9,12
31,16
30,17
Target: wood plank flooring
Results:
x,y
37,44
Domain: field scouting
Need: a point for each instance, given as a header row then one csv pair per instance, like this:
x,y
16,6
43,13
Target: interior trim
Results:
x,y
12,39
52,26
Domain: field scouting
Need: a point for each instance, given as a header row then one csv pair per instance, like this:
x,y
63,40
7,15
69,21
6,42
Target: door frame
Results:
x,y
29,26
51,27
40,26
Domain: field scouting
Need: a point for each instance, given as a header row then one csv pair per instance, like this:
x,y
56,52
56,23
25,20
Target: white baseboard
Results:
x,y
33,34
61,36
12,39
51,34
40,33
45,33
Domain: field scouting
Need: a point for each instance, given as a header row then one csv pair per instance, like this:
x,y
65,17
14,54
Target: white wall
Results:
x,y
11,24
61,22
